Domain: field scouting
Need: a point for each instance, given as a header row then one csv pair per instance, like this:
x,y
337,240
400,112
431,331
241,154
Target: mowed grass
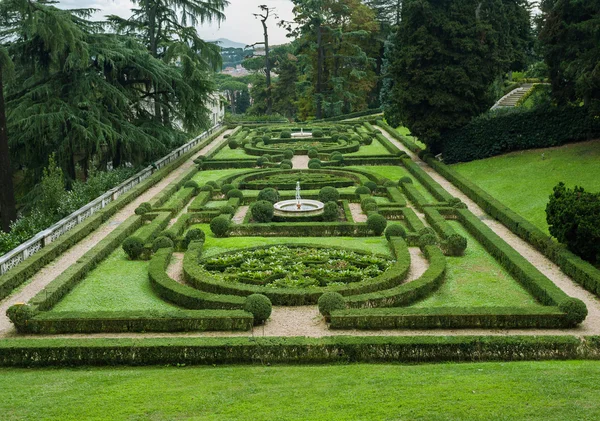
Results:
x,y
213,175
550,390
228,153
523,181
116,284
404,131
477,279
395,173
375,148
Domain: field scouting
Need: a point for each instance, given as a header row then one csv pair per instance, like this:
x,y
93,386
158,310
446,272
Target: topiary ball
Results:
x,y
376,223
161,243
313,153
285,166
234,193
195,234
371,185
233,144
226,188
286,161
286,134
317,133
336,156
260,306
213,184
329,194
191,184
575,309
207,188
455,245
366,201
220,225
269,194
426,230
134,247
330,211
262,211
371,207
266,137
395,230
334,137
389,183
406,180
288,153
367,140
362,190
314,166
427,240
330,301
227,210
141,210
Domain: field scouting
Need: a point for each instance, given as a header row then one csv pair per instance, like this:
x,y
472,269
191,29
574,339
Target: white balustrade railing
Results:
x,y
43,238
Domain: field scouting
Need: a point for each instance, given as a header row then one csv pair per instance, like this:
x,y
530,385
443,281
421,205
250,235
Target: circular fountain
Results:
x,y
301,134
298,206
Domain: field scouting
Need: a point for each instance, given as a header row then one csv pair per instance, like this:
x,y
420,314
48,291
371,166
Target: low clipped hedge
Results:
x,y
429,183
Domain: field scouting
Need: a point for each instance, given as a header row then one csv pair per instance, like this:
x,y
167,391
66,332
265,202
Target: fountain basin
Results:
x,y
290,208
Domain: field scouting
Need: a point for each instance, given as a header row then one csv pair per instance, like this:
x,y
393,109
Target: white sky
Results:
x,y
240,25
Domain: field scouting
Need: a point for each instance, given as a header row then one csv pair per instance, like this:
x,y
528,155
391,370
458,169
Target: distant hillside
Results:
x,y
226,43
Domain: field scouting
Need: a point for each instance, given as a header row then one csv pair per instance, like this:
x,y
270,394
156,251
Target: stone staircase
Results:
x,y
511,99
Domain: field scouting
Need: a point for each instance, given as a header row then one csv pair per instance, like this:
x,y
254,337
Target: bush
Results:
x,y
191,184
262,161
365,202
330,301
376,223
266,137
406,180
426,230
395,230
573,217
220,225
134,247
226,188
195,234
207,188
362,190
269,194
427,240
287,161
330,211
234,193
288,153
227,210
313,153
317,133
141,210
262,211
575,309
371,185
329,194
368,140
161,242
336,156
260,306
389,183
314,166
233,144
213,184
285,166
286,134
334,137
455,245
371,207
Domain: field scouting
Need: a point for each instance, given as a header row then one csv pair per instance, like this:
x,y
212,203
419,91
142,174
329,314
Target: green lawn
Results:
x,y
375,148
228,153
477,279
213,175
523,181
405,132
395,173
558,390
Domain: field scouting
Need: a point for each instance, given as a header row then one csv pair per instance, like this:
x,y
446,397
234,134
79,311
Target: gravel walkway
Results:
x,y
175,268
300,162
240,214
357,213
49,272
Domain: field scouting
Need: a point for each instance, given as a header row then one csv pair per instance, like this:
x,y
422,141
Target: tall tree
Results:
x,y
8,209
266,12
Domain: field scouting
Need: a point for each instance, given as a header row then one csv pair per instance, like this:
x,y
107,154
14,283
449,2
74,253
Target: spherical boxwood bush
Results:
x,y
317,133
286,161
366,201
143,208
335,137
262,161
191,184
213,184
376,223
314,166
286,134
288,153
134,247
207,187
234,193
226,188
266,137
330,301
371,185
161,242
314,160
456,203
260,306
389,183
395,230
313,153
336,156
344,137
227,210
285,166
368,140
269,194
220,225
169,234
371,207
262,211
330,211
362,190
406,180
455,245
575,309
233,144
426,230
195,234
329,194
427,240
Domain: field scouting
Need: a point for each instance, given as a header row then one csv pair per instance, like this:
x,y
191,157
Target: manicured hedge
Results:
x,y
438,222
220,164
198,203
352,115
415,196
412,220
396,196
149,232
497,133
402,139
430,184
298,229
177,201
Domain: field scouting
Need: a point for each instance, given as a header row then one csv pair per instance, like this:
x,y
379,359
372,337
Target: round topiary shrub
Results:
x,y
226,136
389,183
330,212
161,243
362,190
368,140
427,240
376,223
313,153
134,247
234,193
456,203
233,144
371,185
330,301
213,184
287,161
191,184
455,245
195,234
317,133
262,211
395,230
344,137
260,306
227,210
314,160
336,156
220,225
406,180
207,187
575,309
329,194
335,137
288,153
371,207
169,234
366,201
262,161
269,194
285,166
314,166
426,230
286,134
226,188
141,210
266,137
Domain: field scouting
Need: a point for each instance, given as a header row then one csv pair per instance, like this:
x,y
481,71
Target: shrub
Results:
x,y
141,210
227,210
260,306
220,225
234,193
233,144
134,247
195,234
362,190
191,184
314,166
287,161
371,207
313,153
426,230
207,187
317,133
330,211
226,188
169,234
573,217
330,301
285,166
575,309
389,183
262,211
226,136
161,242
314,160
395,230
269,194
288,153
329,194
376,223
368,140
344,137
262,161
286,134
213,184
405,180
371,185
336,156
334,137
365,202
266,137
455,245
427,240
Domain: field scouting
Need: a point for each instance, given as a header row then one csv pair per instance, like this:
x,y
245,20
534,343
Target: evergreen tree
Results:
x,y
243,101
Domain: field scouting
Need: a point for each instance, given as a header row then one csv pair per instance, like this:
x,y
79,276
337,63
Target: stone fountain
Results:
x,y
298,206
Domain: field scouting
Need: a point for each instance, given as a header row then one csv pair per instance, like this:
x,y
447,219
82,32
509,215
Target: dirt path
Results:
x,y
300,162
239,216
357,213
175,267
49,272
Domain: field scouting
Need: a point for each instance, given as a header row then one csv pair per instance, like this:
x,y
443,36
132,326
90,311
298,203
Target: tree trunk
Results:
x,y
8,209
154,52
320,59
268,66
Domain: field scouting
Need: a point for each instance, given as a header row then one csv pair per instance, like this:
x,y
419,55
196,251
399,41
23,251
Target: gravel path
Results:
x,y
357,213
300,162
418,264
239,216
175,268
49,272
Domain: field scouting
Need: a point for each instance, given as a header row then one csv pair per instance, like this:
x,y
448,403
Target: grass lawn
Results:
x,y
115,284
406,133
213,175
477,279
375,148
523,181
556,390
395,173
228,153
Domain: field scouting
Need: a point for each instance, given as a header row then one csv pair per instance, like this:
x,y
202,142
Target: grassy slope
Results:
x,y
395,173
228,153
375,148
565,390
523,180
213,175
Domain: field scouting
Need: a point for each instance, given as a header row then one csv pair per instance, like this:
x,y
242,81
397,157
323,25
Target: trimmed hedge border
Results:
x,y
413,147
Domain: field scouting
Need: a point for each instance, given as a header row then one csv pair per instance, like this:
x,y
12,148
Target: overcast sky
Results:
x,y
240,25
